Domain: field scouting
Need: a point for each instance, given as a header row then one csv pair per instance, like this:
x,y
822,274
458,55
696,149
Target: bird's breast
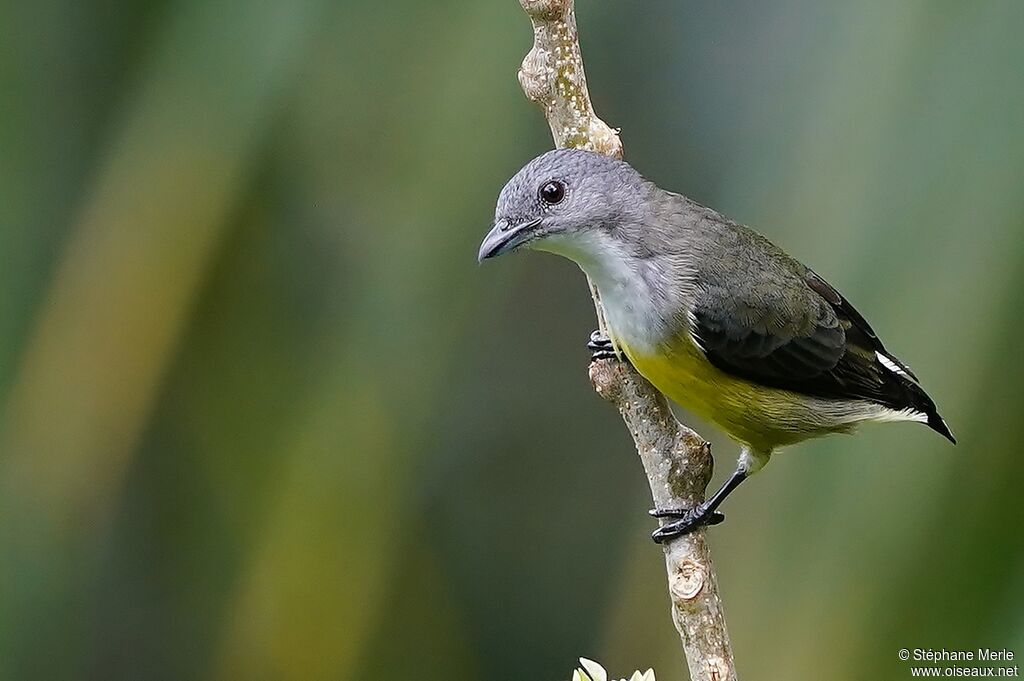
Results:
x,y
641,303
762,417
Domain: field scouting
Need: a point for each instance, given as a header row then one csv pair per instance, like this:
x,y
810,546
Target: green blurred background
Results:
x,y
264,417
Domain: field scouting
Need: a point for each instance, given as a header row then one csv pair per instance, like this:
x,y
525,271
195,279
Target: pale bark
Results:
x,y
676,459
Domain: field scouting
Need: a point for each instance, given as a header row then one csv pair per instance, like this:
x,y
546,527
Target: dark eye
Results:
x,y
552,192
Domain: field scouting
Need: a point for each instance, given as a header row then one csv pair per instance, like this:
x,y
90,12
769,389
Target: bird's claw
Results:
x,y
601,347
686,520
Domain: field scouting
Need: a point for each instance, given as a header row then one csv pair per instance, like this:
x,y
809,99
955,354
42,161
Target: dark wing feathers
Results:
x,y
819,345
861,333
769,351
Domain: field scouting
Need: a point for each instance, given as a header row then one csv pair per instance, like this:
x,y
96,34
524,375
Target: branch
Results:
x,y
678,465
677,460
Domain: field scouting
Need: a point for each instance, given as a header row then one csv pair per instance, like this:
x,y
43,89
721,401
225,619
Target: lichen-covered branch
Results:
x,y
552,75
678,465
677,461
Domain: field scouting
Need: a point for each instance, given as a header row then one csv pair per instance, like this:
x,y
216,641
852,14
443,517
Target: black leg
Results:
x,y
689,519
601,347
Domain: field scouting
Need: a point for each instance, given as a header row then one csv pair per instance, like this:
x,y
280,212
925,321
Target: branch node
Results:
x,y
687,580
603,377
533,75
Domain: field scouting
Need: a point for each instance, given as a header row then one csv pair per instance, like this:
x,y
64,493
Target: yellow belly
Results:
x,y
763,418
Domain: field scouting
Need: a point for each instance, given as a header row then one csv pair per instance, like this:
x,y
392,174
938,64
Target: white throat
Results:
x,y
634,309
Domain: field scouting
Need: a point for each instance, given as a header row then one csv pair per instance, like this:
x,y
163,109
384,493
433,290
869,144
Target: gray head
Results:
x,y
569,202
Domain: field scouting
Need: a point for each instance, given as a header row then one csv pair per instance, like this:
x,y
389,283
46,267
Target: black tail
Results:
x,y
919,401
938,424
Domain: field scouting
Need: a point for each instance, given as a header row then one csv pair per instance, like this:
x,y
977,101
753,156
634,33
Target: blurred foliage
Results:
x,y
264,417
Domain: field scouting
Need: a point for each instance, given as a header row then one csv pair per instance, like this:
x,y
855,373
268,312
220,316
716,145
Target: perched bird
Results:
x,y
713,314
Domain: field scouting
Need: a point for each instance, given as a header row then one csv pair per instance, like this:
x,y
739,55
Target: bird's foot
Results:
x,y
601,347
686,520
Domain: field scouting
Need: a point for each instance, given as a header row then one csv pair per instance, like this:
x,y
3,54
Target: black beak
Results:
x,y
505,237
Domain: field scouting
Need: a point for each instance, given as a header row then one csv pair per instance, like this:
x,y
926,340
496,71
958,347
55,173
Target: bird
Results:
x,y
713,314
